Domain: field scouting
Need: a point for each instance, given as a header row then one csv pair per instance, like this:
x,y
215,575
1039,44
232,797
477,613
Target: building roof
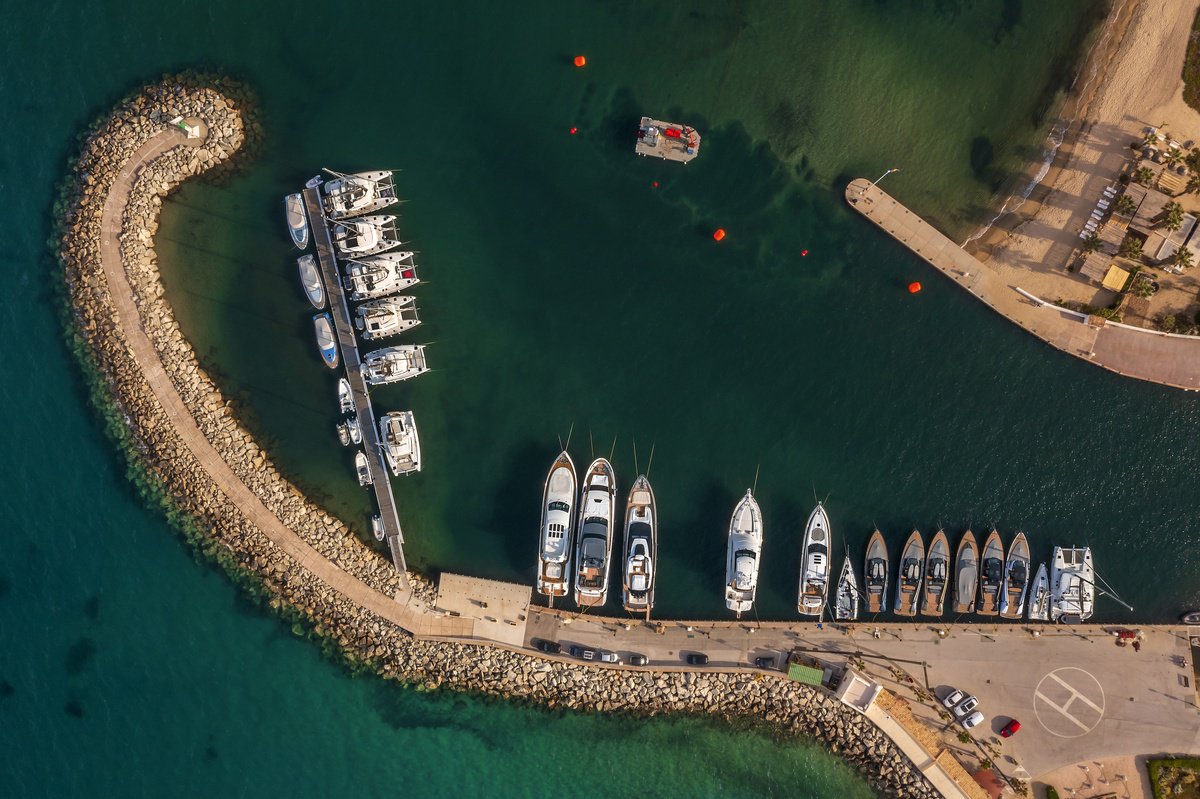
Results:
x,y
1149,209
857,691
1116,278
1095,266
1112,234
805,674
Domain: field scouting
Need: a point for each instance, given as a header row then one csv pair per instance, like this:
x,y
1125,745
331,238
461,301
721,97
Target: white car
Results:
x,y
953,698
973,720
609,657
965,707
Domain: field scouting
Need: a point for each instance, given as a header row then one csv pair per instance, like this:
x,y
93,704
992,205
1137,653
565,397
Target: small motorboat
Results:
x,y
363,467
345,396
875,573
912,567
937,572
966,574
326,343
1191,617
991,575
354,429
297,220
814,564
377,528
1016,579
742,555
1039,597
845,603
343,434
310,280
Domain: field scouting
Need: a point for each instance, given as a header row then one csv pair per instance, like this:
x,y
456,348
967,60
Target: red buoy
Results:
x,y
718,234
803,253
580,61
574,130
914,287
655,184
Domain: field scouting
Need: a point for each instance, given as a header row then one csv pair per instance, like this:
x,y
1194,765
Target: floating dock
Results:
x,y
667,140
347,343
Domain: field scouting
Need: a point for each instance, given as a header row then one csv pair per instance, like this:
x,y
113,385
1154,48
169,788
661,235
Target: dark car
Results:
x,y
697,659
1010,729
638,660
582,653
547,646
765,662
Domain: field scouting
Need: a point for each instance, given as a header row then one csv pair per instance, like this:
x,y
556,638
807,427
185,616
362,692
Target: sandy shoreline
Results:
x,y
1130,80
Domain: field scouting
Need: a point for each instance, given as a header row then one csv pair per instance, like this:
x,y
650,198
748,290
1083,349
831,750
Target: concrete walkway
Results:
x,y
1170,360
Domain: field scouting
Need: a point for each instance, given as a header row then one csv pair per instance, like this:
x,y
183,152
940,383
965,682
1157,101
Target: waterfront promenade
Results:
x,y
1167,359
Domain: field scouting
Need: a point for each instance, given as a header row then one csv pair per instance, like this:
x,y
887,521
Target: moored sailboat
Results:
x,y
908,582
387,316
1039,596
1016,579
393,364
875,573
359,193
593,547
966,574
814,564
937,571
991,575
558,516
379,275
743,554
1072,585
641,548
365,235
400,442
845,605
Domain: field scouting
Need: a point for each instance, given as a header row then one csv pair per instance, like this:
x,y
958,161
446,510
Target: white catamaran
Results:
x,y
360,193
400,443
814,564
365,235
641,548
1072,585
388,316
593,545
558,517
743,554
393,364
380,275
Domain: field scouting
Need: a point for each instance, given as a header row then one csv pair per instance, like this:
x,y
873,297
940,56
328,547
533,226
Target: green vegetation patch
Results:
x,y
1191,67
1175,778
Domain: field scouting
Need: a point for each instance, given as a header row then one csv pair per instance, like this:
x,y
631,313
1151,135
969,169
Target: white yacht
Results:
x,y
845,605
1072,585
365,235
1016,579
641,547
593,544
345,396
388,316
743,554
393,364
1039,596
379,275
558,517
359,193
363,468
297,220
400,443
310,279
354,429
326,343
814,564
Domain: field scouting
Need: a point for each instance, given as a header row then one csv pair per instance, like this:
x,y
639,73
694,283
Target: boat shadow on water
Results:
x,y
513,513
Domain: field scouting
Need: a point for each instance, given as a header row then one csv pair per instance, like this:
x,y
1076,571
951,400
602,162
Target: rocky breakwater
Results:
x,y
128,163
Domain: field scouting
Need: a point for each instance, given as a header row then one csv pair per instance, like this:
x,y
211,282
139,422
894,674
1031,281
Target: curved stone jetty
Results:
x,y
182,431
1166,358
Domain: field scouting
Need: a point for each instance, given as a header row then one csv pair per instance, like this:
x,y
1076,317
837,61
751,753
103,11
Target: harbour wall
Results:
x,y
148,382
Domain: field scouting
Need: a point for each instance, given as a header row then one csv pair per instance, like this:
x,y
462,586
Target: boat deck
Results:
x,y
339,308
666,147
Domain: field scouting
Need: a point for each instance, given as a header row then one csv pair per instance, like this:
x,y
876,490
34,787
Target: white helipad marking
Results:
x,y
1085,689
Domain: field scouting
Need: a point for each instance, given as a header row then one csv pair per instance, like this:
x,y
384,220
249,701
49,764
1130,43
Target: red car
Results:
x,y
1010,729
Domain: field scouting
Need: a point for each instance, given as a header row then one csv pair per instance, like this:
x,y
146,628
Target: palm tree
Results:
x,y
1172,216
1091,243
1150,139
1144,175
1175,156
1183,258
1125,205
1131,247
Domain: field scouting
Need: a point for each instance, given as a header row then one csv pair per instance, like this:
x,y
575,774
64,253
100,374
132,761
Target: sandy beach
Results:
x,y
1130,80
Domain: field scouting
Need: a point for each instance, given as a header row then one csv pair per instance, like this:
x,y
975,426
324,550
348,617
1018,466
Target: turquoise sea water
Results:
x,y
562,289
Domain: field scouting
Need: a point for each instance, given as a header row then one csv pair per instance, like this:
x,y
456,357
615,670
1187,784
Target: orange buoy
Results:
x,y
580,61
914,287
718,234
574,130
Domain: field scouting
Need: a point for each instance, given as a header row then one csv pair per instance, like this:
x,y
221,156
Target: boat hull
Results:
x,y
641,548
1016,579
297,220
991,575
557,530
326,343
937,575
1039,596
814,565
594,535
966,574
743,555
876,569
909,576
846,599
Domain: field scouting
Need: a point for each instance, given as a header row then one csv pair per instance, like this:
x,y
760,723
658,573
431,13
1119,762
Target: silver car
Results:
x,y
609,657
965,707
973,720
953,698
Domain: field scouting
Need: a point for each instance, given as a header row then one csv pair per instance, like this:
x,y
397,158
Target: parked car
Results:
x,y
1010,729
583,653
765,662
547,646
965,707
953,698
609,657
973,720
637,660
697,659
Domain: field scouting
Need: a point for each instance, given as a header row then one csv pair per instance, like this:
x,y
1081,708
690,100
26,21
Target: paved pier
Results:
x,y
339,308
1168,359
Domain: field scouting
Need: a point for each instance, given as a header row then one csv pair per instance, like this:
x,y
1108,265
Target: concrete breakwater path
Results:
x,y
1164,358
472,634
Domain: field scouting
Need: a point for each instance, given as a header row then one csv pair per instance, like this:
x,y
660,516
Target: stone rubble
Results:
x,y
362,638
